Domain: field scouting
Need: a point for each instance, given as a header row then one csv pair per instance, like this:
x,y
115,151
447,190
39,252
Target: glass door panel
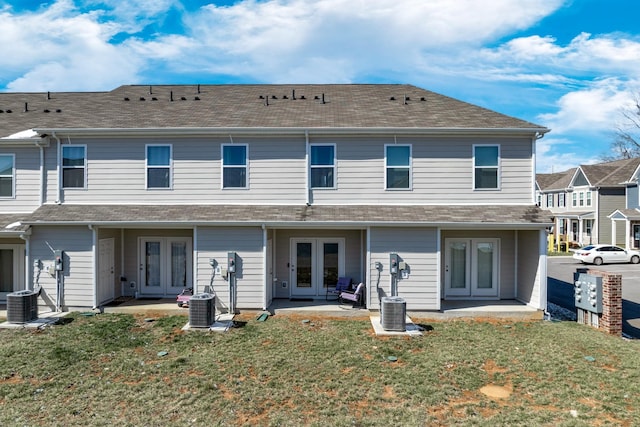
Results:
x,y
330,265
6,271
303,267
315,265
166,267
152,265
485,268
457,268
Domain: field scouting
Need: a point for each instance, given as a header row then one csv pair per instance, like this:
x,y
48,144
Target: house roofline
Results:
x,y
196,131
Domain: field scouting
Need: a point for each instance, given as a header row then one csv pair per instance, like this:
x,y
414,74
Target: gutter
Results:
x,y
196,131
58,167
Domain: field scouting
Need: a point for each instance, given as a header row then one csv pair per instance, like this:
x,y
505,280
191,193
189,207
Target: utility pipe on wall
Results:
x,y
58,167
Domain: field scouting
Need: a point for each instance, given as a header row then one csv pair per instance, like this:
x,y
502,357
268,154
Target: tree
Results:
x,y
626,143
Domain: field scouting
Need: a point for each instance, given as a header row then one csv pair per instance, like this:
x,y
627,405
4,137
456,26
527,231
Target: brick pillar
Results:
x,y
611,317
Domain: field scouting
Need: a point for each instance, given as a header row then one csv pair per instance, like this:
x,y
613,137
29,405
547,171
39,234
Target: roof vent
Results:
x,y
285,97
316,97
26,107
261,97
182,98
46,110
197,98
58,111
126,98
150,90
423,99
393,98
293,94
154,98
142,98
1,111
9,111
302,97
274,97
171,96
48,95
198,89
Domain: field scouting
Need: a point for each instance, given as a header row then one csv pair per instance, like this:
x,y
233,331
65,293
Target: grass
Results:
x,y
111,370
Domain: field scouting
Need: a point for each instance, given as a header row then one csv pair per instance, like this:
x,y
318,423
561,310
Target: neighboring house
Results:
x,y
627,219
143,191
583,198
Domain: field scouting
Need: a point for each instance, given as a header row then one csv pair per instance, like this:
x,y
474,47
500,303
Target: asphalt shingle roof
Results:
x,y
248,106
608,174
221,214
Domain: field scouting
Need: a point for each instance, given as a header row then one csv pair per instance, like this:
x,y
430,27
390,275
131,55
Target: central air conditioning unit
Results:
x,y
22,306
202,310
393,313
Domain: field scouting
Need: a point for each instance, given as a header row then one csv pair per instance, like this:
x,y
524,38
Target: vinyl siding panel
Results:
x,y
442,172
529,280
214,243
633,200
26,180
418,248
77,244
608,201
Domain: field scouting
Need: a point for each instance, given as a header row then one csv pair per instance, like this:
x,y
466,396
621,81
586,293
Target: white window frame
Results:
x,y
147,167
550,200
245,166
409,168
13,176
588,202
497,168
83,167
574,199
581,199
334,166
561,200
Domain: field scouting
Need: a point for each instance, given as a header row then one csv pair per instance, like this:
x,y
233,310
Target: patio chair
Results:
x,y
357,297
344,284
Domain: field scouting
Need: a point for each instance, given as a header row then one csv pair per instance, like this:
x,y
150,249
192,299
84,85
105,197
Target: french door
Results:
x,y
165,265
471,267
315,265
11,269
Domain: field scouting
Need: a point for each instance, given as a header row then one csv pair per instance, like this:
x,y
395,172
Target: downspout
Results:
x,y
58,167
307,158
94,273
533,168
42,180
265,268
27,263
194,280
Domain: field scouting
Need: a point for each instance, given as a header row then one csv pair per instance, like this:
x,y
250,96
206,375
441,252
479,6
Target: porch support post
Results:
x,y
542,269
94,263
628,236
194,285
580,231
613,232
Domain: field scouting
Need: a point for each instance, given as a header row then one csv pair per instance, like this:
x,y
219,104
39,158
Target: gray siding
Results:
x,y
442,172
528,286
248,243
77,244
608,201
633,201
418,248
27,180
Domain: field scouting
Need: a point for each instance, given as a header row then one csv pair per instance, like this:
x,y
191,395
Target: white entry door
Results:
x,y
165,265
106,273
11,269
471,267
315,265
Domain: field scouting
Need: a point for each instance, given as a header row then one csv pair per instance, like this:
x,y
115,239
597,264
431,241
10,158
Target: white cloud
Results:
x,y
594,109
560,154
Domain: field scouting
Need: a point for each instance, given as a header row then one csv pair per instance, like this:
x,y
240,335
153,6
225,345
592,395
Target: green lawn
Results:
x,y
113,370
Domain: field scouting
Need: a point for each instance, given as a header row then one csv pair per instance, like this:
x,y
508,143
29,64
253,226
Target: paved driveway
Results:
x,y
560,288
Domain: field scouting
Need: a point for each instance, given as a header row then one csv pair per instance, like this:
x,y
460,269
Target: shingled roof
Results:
x,y
498,216
248,106
608,174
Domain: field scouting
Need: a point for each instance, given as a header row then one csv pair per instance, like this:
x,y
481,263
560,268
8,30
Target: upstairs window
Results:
x,y
550,200
574,199
561,200
158,166
581,203
398,167
234,166
74,166
588,198
485,167
7,171
323,166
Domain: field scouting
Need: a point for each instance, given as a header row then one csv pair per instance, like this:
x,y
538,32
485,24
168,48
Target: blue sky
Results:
x,y
570,65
